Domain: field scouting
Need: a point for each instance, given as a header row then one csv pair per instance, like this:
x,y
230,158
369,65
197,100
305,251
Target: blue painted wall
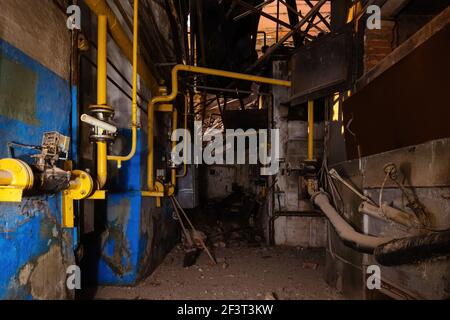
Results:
x,y
137,235
30,229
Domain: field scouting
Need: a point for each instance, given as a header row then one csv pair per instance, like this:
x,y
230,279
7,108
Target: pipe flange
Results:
x,y
102,137
81,185
97,108
21,174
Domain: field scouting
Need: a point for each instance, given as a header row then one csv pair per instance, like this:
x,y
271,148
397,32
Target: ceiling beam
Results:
x,y
297,28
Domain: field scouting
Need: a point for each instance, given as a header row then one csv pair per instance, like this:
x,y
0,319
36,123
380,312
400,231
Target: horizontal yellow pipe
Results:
x,y
174,93
100,7
120,159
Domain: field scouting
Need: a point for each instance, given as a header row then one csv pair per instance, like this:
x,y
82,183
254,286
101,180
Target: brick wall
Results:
x,y
378,44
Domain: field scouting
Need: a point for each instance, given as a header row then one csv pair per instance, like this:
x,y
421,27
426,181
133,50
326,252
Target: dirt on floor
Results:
x,y
242,273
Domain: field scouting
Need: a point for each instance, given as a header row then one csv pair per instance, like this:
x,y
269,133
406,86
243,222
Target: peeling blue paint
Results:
x,y
146,233
28,229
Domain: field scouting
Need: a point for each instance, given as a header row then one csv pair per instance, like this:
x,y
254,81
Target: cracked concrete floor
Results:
x,y
244,273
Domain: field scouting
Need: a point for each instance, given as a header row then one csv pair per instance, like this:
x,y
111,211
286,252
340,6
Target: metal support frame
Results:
x,y
296,29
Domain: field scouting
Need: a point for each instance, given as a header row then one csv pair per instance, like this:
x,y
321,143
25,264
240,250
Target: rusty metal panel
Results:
x,y
406,105
322,67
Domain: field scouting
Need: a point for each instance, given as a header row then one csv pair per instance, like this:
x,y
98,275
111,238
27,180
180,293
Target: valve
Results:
x,y
102,130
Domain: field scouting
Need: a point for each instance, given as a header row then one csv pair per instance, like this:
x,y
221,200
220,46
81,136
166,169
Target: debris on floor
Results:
x,y
251,274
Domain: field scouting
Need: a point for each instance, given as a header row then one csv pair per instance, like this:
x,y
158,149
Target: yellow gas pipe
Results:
x,y
100,7
15,177
310,130
120,159
186,111
102,147
174,144
156,189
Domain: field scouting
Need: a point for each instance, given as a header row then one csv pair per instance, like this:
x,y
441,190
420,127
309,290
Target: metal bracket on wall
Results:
x,y
81,187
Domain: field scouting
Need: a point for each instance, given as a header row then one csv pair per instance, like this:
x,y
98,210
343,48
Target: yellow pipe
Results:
x,y
310,130
15,177
120,159
186,111
102,146
174,94
150,168
100,7
174,144
6,178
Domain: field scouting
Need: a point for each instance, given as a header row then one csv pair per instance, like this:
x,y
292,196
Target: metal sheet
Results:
x,y
323,67
406,105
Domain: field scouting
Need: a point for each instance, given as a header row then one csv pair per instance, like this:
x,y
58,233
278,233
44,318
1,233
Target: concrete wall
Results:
x,y
38,29
289,196
218,180
35,97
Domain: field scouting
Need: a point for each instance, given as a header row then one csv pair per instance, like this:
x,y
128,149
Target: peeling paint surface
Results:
x,y
34,258
137,236
35,250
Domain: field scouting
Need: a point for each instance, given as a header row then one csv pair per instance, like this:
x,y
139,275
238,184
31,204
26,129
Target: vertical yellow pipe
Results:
x,y
120,159
186,111
150,177
101,96
168,98
310,130
174,144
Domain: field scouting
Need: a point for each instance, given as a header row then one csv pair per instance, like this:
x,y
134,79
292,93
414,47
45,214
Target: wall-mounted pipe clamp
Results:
x,y
15,177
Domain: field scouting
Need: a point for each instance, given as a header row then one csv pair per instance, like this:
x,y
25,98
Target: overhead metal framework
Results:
x,y
291,23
